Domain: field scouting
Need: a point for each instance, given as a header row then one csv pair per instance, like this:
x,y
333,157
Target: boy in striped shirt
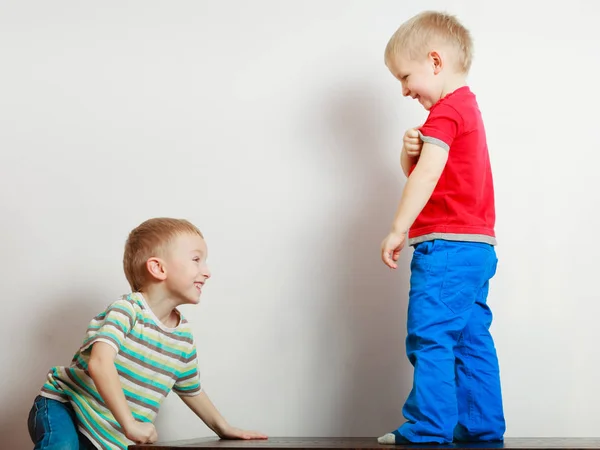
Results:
x,y
134,353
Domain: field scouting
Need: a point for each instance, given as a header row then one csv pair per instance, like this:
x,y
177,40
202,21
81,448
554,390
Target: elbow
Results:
x,y
97,365
93,366
427,175
432,177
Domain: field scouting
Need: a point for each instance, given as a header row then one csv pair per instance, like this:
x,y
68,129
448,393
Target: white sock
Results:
x,y
388,439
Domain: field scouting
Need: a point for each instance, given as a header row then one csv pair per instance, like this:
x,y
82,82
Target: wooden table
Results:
x,y
286,443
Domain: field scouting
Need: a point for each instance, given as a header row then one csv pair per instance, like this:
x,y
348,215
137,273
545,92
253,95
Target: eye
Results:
x,y
197,259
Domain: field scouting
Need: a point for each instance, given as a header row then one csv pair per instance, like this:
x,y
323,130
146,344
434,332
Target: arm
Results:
x,y
411,150
407,161
202,406
103,372
420,186
418,190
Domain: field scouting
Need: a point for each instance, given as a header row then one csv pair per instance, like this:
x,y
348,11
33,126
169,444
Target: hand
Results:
x,y
236,433
390,248
412,143
141,432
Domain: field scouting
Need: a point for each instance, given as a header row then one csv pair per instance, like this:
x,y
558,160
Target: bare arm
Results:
x,y
104,373
102,369
411,149
420,186
407,161
202,406
417,191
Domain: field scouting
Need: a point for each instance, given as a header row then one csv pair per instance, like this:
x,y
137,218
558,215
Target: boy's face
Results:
x,y
420,79
186,267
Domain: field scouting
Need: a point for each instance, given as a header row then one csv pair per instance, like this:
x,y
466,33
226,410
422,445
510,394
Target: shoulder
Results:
x,y
128,304
124,308
461,103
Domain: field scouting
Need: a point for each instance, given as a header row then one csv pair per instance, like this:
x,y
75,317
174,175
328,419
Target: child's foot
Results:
x,y
393,438
387,439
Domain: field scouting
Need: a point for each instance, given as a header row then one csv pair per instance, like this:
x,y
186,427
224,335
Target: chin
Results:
x,y
190,300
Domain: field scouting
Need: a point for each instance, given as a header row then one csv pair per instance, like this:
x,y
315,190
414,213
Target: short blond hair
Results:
x,y
150,239
421,31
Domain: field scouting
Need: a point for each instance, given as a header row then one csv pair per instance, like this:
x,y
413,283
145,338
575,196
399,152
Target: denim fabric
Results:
x,y
456,392
53,426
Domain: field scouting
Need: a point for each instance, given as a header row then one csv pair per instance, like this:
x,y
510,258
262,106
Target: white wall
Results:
x,y
276,128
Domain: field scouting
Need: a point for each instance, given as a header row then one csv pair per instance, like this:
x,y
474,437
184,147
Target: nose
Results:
x,y
405,91
206,272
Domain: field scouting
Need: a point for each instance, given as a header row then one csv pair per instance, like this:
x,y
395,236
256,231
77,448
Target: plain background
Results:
x,y
276,128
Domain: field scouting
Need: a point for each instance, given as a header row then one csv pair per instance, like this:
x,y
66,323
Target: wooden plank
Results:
x,y
308,443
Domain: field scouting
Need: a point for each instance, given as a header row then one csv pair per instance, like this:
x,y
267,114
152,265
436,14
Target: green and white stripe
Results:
x,y
151,361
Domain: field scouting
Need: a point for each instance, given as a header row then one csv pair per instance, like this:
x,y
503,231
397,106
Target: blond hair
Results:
x,y
421,31
149,239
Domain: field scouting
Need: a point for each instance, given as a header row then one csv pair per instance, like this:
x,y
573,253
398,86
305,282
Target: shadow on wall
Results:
x,y
52,340
365,316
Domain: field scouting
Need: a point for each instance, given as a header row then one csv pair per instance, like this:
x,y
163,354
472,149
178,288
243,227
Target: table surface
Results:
x,y
327,443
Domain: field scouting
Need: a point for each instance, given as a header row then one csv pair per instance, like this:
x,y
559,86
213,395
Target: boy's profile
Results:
x,y
447,213
135,352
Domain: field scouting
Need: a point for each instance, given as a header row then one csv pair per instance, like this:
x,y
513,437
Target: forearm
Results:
x,y
202,406
417,191
406,161
106,378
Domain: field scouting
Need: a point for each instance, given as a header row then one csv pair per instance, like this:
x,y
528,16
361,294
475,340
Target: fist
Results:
x,y
141,433
412,143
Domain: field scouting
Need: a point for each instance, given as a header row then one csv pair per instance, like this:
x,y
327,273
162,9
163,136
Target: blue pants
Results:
x,y
456,391
53,426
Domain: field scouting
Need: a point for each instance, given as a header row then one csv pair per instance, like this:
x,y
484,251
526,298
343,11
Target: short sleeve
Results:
x,y
442,126
112,326
188,383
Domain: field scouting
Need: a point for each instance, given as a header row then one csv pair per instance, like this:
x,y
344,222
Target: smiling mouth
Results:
x,y
198,285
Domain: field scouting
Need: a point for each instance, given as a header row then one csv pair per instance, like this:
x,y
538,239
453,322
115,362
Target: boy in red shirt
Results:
x,y
447,213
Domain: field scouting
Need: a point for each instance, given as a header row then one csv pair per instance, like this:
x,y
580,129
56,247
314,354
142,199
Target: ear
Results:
x,y
436,61
156,268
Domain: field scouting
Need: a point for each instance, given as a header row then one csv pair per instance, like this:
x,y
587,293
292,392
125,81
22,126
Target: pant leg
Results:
x,y
445,279
479,395
52,426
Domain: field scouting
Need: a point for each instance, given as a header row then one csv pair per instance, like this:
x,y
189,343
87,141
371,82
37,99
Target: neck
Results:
x,y
161,304
453,83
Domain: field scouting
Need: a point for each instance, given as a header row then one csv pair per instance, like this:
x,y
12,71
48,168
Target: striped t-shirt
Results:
x,y
151,360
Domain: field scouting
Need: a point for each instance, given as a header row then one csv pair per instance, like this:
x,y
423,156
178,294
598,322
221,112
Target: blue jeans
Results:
x,y
456,391
53,426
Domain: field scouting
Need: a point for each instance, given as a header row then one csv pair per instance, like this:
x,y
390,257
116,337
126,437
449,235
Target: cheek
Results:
x,y
423,89
413,85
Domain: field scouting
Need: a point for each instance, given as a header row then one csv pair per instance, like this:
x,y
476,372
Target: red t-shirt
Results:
x,y
461,207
